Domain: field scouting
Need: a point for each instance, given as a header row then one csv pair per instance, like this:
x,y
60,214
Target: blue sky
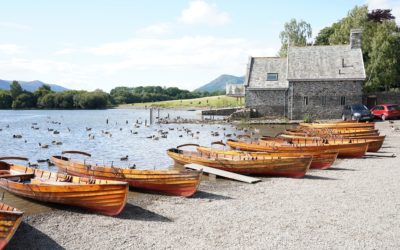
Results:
x,y
102,44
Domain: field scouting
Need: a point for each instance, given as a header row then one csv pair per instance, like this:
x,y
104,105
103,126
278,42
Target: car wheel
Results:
x,y
343,117
383,117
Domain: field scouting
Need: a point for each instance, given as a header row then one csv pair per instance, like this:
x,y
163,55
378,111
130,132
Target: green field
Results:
x,y
204,102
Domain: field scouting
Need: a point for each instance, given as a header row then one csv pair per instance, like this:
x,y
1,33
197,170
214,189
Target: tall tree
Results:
x,y
5,99
380,15
384,58
15,89
296,33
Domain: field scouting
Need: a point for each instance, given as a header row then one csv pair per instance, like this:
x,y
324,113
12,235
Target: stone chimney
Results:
x,y
355,38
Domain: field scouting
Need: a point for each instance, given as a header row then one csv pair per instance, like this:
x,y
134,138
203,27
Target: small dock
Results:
x,y
220,112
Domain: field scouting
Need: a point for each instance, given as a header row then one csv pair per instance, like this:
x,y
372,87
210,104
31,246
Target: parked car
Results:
x,y
356,112
386,111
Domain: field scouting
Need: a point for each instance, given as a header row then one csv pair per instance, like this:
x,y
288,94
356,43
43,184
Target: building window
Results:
x,y
272,77
342,100
305,100
323,100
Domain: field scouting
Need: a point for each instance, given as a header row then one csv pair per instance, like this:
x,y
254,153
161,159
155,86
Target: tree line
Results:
x,y
45,98
141,94
380,43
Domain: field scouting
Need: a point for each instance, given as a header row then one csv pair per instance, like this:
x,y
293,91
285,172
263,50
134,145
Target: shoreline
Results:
x,y
352,205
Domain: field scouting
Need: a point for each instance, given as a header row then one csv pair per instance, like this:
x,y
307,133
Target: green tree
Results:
x,y
324,35
24,101
15,89
5,99
384,58
47,101
42,91
296,33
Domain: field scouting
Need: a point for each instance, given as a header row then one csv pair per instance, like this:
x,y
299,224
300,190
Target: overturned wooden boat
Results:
x,y
10,218
320,160
101,196
340,125
346,150
374,142
171,182
295,167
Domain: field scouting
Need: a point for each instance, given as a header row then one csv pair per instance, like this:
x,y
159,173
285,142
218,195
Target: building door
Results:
x,y
371,101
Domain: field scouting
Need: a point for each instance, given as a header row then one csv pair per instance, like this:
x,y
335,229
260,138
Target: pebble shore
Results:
x,y
353,205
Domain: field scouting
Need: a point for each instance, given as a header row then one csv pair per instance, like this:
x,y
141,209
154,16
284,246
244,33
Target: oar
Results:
x,y
76,152
14,158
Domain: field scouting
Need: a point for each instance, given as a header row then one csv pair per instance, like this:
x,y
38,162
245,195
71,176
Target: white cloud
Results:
x,y
66,51
155,30
14,26
10,49
201,12
224,54
394,5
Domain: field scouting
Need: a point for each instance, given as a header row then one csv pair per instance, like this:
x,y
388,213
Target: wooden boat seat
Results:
x,y
21,176
51,182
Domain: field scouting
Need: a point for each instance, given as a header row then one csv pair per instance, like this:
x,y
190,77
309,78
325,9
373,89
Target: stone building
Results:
x,y
235,90
311,81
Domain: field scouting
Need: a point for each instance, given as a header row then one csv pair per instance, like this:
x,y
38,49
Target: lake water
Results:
x,y
106,142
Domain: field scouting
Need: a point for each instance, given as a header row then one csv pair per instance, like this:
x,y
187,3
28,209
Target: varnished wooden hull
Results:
x,y
10,219
170,182
295,167
354,150
339,125
101,196
321,160
331,132
374,142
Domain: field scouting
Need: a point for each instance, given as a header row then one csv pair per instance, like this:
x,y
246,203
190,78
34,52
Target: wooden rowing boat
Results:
x,y
171,182
10,218
102,196
321,160
295,167
339,125
374,142
349,150
331,132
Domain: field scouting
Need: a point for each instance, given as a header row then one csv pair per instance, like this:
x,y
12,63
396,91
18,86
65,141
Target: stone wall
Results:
x,y
371,99
324,98
267,102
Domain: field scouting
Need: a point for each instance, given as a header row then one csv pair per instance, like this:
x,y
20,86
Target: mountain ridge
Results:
x,y
218,84
31,85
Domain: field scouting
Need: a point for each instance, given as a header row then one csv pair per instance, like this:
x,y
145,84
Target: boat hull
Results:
x,y
374,142
179,183
295,167
319,161
104,197
354,150
10,219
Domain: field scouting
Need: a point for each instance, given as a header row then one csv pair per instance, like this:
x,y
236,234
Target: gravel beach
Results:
x,y
354,205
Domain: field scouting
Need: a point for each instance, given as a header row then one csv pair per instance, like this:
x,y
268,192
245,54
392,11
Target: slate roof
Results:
x,y
325,63
258,68
312,63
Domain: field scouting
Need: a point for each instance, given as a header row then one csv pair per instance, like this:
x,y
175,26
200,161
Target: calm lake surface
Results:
x,y
106,142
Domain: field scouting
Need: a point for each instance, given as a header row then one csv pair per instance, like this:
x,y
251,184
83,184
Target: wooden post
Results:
x,y
151,116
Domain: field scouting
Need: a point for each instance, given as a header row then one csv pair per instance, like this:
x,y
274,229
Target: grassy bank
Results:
x,y
204,102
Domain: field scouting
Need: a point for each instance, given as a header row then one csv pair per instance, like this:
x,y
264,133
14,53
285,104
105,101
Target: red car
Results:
x,y
386,111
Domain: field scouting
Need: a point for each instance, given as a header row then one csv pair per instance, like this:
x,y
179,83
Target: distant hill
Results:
x,y
31,86
219,83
